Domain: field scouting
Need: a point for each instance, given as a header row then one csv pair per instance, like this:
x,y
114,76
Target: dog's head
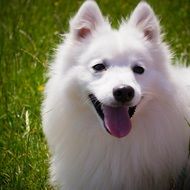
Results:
x,y
117,70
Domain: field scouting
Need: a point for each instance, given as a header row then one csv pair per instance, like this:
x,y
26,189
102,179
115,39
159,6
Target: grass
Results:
x,y
28,33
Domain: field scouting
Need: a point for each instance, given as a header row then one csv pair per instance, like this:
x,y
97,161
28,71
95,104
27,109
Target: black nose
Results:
x,y
123,93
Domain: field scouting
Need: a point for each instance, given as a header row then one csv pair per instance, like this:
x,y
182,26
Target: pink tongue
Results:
x,y
117,121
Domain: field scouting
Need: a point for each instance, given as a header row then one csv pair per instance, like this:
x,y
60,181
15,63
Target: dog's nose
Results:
x,y
123,93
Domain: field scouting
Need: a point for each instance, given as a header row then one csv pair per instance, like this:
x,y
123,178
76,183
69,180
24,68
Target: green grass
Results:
x,y
28,33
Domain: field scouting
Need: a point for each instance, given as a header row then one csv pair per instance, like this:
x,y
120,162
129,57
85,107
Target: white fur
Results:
x,y
83,155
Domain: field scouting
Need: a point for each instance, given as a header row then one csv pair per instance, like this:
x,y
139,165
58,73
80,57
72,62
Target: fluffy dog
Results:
x,y
116,111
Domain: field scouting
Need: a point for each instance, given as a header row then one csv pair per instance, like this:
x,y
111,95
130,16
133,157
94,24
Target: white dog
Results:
x,y
116,111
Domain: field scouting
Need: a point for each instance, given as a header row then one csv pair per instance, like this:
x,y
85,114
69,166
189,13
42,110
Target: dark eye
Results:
x,y
138,69
99,67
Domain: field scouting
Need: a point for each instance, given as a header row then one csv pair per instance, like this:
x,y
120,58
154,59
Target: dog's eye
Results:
x,y
138,69
99,67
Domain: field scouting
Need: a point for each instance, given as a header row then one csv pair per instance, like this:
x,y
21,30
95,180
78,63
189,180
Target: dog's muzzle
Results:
x,y
116,119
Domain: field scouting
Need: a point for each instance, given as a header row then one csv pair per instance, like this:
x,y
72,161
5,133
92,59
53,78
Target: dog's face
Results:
x,y
117,69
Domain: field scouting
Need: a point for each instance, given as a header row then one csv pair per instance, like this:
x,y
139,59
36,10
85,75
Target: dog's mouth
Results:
x,y
116,120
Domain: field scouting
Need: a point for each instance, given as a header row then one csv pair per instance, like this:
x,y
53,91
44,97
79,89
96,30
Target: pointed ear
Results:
x,y
87,19
145,20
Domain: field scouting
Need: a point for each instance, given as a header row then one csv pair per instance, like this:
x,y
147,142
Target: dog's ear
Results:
x,y
87,19
144,19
